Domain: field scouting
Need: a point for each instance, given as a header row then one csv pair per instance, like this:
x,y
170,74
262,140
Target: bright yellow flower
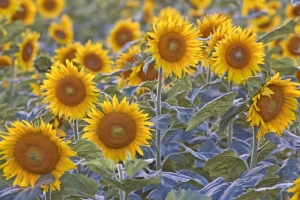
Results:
x,y
26,13
295,190
62,33
9,7
67,53
5,61
50,8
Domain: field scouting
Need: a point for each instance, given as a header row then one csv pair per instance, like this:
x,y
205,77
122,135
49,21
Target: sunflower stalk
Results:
x,y
158,112
11,86
255,146
122,195
76,132
48,194
230,125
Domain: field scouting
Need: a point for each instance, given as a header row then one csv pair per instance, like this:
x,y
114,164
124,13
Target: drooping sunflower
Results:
x,y
174,46
69,92
62,32
124,31
50,8
31,151
265,23
118,128
292,11
210,23
273,107
290,47
27,50
295,190
239,55
9,7
26,13
66,53
93,58
5,61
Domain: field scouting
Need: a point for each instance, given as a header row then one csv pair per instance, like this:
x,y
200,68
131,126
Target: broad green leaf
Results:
x,y
227,165
270,179
13,29
254,85
285,66
149,84
102,166
143,46
259,194
265,150
185,195
184,82
230,114
45,179
279,32
87,149
217,106
133,167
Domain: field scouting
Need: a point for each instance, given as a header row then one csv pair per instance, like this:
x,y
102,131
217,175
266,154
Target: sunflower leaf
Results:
x,y
285,66
217,106
102,166
185,195
86,149
272,193
13,29
133,167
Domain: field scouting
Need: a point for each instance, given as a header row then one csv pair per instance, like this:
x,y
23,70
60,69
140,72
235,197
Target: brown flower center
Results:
x,y
70,91
126,74
4,3
151,74
117,130
123,36
93,62
60,34
4,63
271,107
49,4
294,45
238,55
21,14
70,55
298,76
296,10
27,51
36,153
206,33
172,46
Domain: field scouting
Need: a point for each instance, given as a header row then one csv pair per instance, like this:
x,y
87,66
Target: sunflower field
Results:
x,y
149,99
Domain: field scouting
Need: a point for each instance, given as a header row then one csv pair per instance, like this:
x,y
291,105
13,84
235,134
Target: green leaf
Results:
x,y
270,179
78,185
285,66
102,166
230,114
185,195
185,82
259,193
87,149
279,32
217,106
13,29
254,85
143,46
149,84
132,167
265,150
227,165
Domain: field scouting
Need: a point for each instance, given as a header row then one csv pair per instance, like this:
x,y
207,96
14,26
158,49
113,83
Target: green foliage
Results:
x,y
265,150
259,194
102,166
185,195
285,66
254,85
227,165
132,167
87,149
13,29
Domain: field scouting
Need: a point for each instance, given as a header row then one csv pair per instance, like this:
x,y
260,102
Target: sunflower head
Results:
x,y
124,31
43,62
118,128
148,10
65,53
290,46
174,46
69,92
292,11
265,23
62,33
295,190
168,12
9,7
28,50
31,151
26,13
5,61
251,5
138,75
273,107
239,55
50,8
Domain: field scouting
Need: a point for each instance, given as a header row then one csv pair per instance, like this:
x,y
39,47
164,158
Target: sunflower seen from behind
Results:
x,y
174,46
30,151
69,91
273,107
118,128
26,13
93,58
9,7
124,31
28,50
67,52
50,8
62,32
239,55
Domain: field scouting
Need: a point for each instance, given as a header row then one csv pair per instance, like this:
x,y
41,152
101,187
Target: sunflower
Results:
x,y
5,61
249,5
94,58
69,92
124,31
5,46
290,46
200,4
118,128
174,46
168,12
239,55
66,53
31,151
265,23
210,23
36,90
27,50
295,190
62,33
138,76
9,7
50,8
148,10
274,105
292,11
26,13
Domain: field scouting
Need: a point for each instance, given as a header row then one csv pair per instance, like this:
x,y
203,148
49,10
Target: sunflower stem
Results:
x,y
48,194
158,112
76,132
120,172
208,75
230,124
255,145
11,86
